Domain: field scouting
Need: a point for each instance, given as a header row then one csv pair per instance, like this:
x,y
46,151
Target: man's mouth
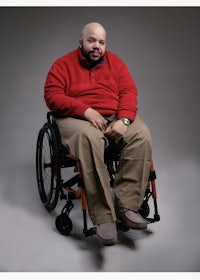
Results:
x,y
95,54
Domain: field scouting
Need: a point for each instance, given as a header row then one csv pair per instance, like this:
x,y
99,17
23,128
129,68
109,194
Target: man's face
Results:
x,y
93,44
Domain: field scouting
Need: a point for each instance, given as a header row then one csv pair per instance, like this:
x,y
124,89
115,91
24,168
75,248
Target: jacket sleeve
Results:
x,y
56,95
127,92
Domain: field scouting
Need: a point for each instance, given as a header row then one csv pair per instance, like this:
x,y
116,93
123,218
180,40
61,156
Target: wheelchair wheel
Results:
x,y
48,167
63,224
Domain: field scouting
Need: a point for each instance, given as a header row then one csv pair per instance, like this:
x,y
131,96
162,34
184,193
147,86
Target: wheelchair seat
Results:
x,y
52,157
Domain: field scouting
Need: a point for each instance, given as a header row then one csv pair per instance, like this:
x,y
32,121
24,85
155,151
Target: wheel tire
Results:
x,y
144,209
63,224
48,167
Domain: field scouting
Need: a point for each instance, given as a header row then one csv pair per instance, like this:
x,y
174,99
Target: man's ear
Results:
x,y
80,43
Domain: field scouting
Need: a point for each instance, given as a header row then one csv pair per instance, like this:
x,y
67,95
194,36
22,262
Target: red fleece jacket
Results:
x,y
72,86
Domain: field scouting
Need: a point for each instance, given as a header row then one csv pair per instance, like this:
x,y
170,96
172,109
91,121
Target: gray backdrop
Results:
x,y
161,48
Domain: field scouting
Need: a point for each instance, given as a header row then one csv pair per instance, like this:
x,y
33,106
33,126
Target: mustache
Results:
x,y
95,51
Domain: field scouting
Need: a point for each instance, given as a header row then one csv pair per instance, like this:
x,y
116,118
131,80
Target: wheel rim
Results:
x,y
47,166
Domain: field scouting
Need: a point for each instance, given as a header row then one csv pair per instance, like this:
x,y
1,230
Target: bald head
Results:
x,y
93,27
93,42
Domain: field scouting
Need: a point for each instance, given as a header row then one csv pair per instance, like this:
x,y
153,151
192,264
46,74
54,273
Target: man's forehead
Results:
x,y
94,31
96,36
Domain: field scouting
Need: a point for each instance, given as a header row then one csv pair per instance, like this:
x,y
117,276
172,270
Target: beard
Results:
x,y
89,56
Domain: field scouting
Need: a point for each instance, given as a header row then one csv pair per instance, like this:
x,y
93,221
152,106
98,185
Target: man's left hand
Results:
x,y
116,129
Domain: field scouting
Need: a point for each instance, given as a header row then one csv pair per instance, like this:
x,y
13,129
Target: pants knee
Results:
x,y
90,140
145,134
139,139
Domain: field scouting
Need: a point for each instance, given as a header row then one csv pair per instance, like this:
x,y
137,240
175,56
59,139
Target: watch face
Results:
x,y
125,121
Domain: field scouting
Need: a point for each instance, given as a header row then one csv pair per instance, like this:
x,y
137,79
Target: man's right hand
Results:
x,y
95,118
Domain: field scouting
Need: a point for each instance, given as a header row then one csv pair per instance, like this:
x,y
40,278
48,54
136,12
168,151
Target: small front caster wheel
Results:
x,y
63,224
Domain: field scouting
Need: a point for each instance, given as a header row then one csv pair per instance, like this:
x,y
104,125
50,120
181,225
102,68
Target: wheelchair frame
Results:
x,y
52,156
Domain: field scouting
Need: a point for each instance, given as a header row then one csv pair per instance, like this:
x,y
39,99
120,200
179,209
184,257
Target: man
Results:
x,y
97,101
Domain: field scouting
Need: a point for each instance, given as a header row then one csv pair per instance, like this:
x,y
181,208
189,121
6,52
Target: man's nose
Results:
x,y
96,45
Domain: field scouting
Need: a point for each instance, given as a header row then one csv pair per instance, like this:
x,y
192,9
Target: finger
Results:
x,y
98,124
101,122
102,126
93,122
107,131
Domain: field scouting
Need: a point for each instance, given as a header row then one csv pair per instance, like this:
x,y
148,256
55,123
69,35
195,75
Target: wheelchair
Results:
x,y
52,157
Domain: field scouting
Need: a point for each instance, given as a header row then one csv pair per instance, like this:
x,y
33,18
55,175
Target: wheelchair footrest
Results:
x,y
153,220
90,232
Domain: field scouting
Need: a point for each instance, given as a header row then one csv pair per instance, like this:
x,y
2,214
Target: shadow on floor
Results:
x,y
126,238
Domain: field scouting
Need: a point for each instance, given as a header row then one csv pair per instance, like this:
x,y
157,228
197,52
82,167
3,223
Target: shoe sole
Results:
x,y
131,224
106,242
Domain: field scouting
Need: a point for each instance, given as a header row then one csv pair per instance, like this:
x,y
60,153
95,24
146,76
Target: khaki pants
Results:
x,y
87,145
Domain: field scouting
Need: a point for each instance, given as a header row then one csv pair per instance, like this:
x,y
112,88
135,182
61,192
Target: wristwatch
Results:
x,y
126,121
